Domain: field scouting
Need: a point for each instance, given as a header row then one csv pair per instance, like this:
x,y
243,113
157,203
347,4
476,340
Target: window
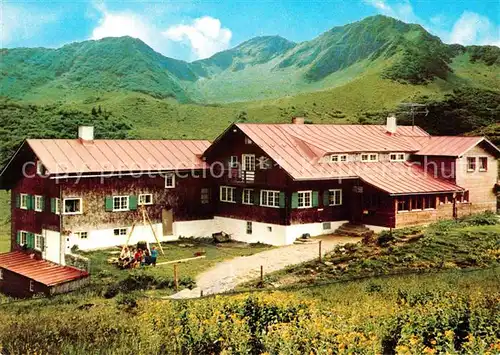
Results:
x,y
335,158
227,194
23,238
81,235
1,274
249,227
23,199
305,199
233,162
471,164
269,229
40,169
145,199
32,286
120,203
403,204
429,202
55,205
269,198
170,181
120,231
483,164
248,197
73,206
39,242
397,157
366,157
38,203
334,197
327,225
205,195
248,161
248,140
417,203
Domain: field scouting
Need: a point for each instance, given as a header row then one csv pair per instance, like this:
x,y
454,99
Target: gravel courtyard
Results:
x,y
227,274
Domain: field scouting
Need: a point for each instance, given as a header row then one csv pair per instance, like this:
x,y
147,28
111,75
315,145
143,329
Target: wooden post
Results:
x,y
176,277
261,273
201,293
320,255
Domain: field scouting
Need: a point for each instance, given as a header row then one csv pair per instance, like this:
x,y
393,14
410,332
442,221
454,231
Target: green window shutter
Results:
x,y
29,202
32,203
295,200
132,203
31,240
53,205
108,203
18,239
315,198
18,201
238,195
326,198
42,244
256,197
282,200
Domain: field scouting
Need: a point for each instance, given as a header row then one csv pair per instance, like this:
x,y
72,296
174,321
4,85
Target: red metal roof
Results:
x,y
41,271
300,150
453,146
66,156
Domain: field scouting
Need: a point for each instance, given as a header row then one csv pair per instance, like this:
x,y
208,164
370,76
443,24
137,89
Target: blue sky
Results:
x,y
189,30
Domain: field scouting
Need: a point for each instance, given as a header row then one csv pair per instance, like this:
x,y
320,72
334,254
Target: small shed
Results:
x,y
22,275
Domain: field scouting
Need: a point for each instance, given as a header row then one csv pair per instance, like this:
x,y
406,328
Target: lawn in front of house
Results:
x,y
103,273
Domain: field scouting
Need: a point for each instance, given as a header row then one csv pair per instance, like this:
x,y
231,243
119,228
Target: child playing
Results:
x,y
154,255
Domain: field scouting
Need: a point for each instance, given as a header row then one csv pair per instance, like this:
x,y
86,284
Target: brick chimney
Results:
x,y
298,120
391,125
86,133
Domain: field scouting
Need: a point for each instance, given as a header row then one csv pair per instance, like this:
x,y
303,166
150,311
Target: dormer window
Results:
x,y
40,169
369,157
338,158
397,157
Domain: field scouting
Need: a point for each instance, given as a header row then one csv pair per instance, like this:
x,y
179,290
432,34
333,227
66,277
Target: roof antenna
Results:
x,y
413,108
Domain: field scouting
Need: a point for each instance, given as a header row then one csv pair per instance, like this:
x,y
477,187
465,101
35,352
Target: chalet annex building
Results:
x,y
268,183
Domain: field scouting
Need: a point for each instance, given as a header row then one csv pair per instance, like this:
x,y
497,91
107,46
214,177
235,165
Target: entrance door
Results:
x,y
167,219
356,204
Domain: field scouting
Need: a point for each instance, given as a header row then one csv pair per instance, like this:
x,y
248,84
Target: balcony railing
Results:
x,y
242,176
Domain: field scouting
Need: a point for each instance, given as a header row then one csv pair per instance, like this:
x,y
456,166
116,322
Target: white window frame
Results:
x,y
121,232
57,205
479,164
369,157
38,203
23,198
23,235
32,286
264,202
338,158
303,204
169,184
121,209
399,157
73,198
1,274
250,195
233,161
227,189
38,238
143,196
80,233
252,162
249,229
39,168
475,164
335,192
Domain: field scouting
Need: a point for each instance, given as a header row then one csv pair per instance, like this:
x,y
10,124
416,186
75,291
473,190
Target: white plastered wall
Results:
x,y
195,229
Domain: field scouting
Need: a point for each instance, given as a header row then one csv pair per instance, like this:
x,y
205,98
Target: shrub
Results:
x,y
127,301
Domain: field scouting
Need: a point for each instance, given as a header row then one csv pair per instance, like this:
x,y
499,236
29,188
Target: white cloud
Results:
x,y
205,35
120,24
402,10
21,23
472,28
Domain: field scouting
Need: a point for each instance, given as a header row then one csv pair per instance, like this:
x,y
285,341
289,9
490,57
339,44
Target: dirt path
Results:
x,y
227,274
